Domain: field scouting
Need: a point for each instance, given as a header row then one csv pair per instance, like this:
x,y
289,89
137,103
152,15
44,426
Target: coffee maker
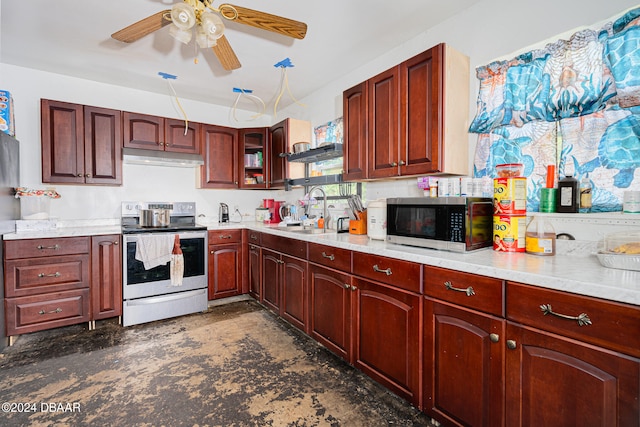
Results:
x,y
223,213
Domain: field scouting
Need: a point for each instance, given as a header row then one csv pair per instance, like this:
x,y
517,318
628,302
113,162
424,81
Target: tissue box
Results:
x,y
6,113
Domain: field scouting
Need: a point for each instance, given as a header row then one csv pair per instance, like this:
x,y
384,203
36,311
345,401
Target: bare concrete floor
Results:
x,y
236,365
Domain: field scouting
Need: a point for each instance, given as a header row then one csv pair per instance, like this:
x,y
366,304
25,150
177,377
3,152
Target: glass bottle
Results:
x,y
540,238
585,195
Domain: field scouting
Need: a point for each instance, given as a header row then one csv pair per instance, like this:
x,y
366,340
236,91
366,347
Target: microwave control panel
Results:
x,y
456,227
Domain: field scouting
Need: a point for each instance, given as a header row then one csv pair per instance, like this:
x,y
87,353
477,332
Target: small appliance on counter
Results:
x,y
223,213
456,224
377,219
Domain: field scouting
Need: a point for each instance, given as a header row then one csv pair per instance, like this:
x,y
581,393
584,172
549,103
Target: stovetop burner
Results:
x,y
182,218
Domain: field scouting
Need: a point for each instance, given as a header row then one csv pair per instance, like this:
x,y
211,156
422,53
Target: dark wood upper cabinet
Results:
x,y
220,152
80,144
282,136
253,153
355,112
181,136
143,131
415,120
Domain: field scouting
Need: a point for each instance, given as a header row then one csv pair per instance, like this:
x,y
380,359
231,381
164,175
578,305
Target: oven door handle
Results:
x,y
164,298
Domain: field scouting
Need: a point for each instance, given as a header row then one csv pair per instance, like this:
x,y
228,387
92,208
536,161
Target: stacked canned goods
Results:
x,y
509,208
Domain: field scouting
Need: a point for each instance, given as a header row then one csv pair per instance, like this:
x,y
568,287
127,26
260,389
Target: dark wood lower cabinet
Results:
x,y
106,276
386,336
463,369
254,274
271,278
225,270
557,381
330,313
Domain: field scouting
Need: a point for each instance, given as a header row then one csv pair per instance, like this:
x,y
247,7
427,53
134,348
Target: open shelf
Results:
x,y
326,152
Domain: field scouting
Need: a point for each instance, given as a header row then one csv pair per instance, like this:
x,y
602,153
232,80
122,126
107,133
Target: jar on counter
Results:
x,y
540,238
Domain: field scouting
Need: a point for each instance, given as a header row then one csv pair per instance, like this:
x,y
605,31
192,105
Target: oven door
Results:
x,y
139,283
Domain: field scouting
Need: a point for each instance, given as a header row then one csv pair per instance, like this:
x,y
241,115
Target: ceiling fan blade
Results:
x,y
264,21
225,54
143,27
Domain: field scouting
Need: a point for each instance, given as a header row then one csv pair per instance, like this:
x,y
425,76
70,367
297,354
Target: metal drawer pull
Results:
x,y
56,274
469,291
225,236
379,270
331,257
494,337
57,310
54,247
582,318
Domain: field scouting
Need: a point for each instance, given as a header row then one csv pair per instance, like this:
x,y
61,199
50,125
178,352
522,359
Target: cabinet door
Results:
x,y
143,131
106,276
254,272
387,337
253,158
102,146
278,154
271,279
383,124
330,312
355,111
294,307
225,270
551,380
62,142
177,140
463,360
421,118
220,152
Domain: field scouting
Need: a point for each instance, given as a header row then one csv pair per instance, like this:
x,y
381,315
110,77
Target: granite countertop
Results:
x,y
579,273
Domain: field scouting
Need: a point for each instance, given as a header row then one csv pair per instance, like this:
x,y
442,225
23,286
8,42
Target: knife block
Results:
x,y
359,226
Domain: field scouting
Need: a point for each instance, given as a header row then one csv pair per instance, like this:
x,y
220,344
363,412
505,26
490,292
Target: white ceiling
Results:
x,y
72,37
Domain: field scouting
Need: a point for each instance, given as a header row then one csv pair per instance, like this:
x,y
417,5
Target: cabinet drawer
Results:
x,y
337,258
34,276
465,289
402,274
293,247
225,236
613,325
47,311
254,237
32,248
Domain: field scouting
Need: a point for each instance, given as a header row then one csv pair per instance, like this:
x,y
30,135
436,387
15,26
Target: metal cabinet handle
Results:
x,y
379,270
161,144
511,344
88,175
353,288
347,286
54,247
283,154
56,274
116,243
401,163
79,175
331,257
469,291
225,236
494,337
394,164
57,310
582,318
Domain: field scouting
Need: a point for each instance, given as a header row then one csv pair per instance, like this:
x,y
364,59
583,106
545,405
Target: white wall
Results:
x,y
491,29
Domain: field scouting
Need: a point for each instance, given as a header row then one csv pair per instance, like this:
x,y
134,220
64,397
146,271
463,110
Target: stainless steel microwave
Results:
x,y
456,224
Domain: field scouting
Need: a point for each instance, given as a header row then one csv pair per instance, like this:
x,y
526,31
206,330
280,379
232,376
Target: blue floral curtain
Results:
x,y
575,104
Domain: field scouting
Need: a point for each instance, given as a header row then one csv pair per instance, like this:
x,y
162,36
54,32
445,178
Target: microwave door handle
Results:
x,y
471,206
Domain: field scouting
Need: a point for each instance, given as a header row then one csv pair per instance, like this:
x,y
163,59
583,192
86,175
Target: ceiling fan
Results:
x,y
209,28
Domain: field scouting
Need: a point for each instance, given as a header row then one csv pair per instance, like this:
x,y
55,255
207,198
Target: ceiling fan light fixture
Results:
x,y
183,16
212,25
183,36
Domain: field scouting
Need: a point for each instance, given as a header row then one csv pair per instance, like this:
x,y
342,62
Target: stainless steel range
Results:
x,y
148,290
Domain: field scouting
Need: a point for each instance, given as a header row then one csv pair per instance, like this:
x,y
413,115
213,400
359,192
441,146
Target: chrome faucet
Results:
x,y
324,204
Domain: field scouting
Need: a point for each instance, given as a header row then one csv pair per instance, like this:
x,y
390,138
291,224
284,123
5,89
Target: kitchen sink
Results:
x,y
302,230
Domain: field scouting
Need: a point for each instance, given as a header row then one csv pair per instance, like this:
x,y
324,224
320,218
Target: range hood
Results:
x,y
141,156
